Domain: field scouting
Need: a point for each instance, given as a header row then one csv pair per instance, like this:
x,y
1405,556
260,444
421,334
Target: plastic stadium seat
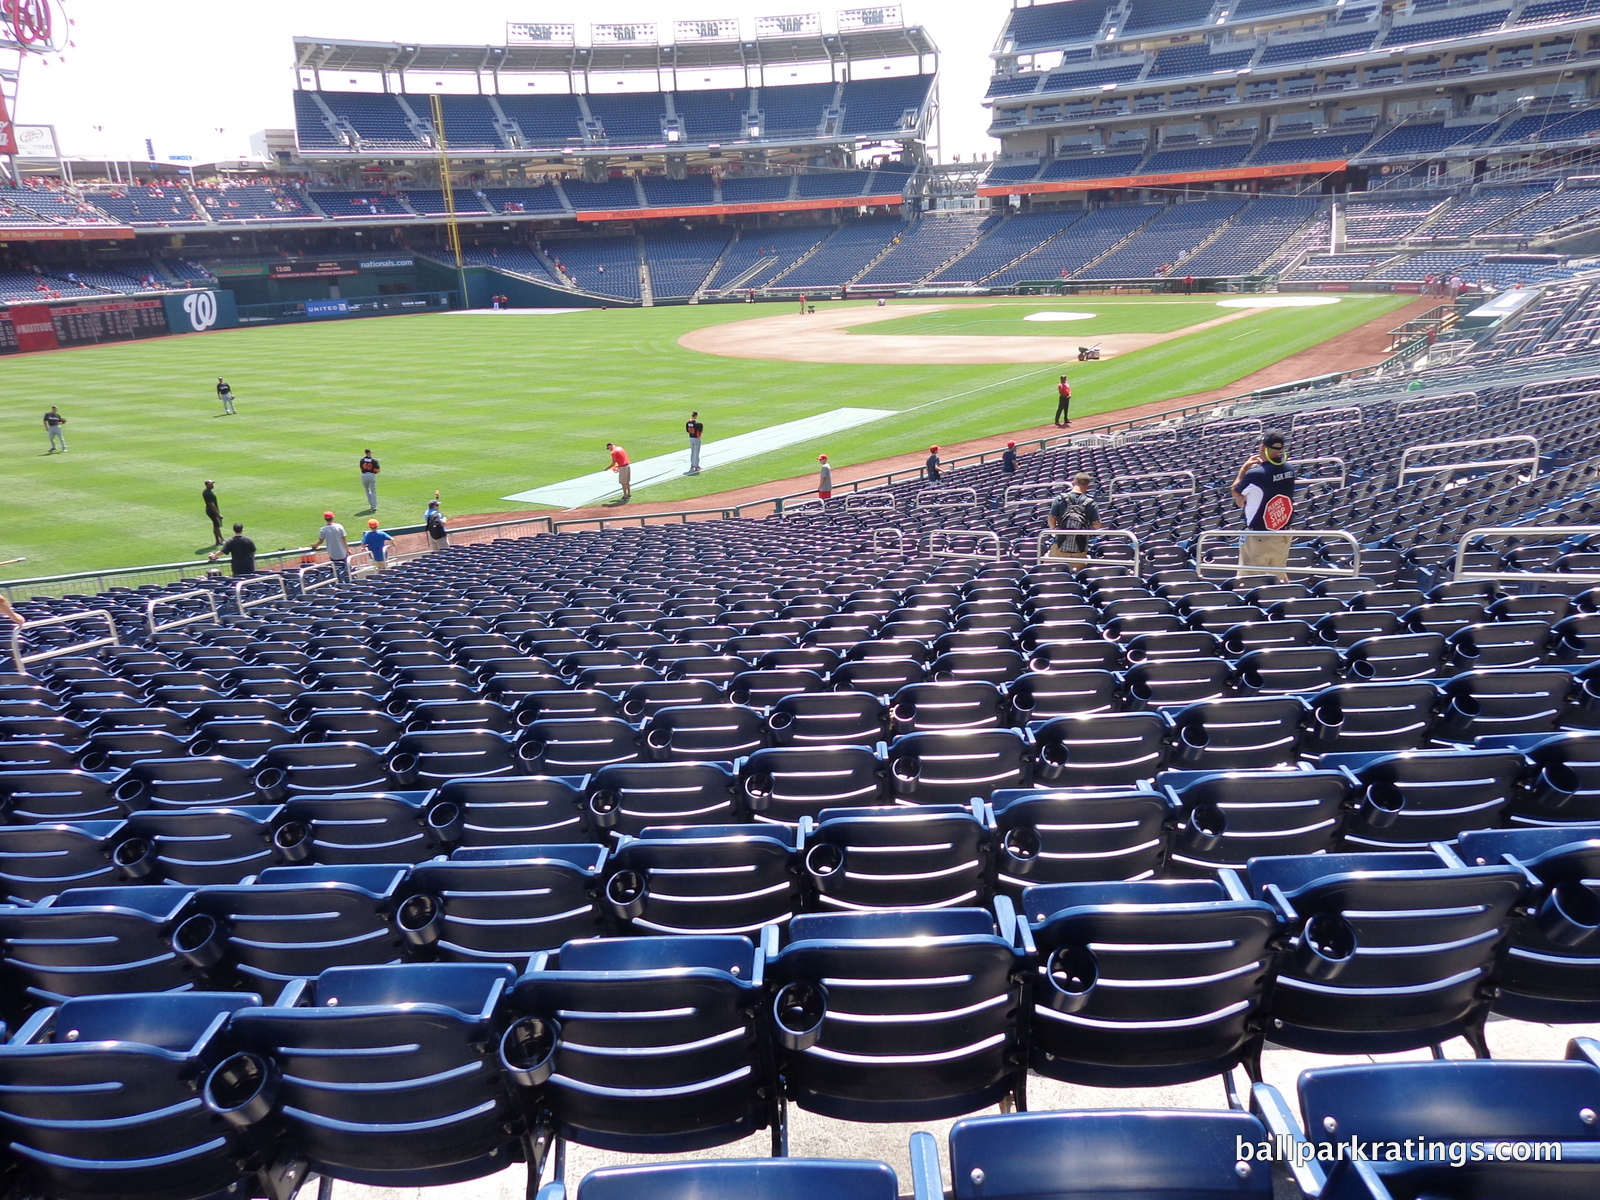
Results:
x,y
51,756
197,846
384,1075
743,1179
704,732
686,1014
765,687
1238,733
827,719
1470,1105
948,704
366,828
1370,716
1040,695
520,810
995,665
91,941
933,856
40,860
624,798
1396,656
1345,629
711,879
954,765
1230,817
1077,835
899,1016
245,740
577,745
563,703
502,904
1280,669
880,677
183,782
1100,750
448,716
1164,682
368,727
46,797
1107,1155
1506,700
292,923
322,769
1148,983
784,783
1414,797
1562,783
430,757
1389,951
98,1099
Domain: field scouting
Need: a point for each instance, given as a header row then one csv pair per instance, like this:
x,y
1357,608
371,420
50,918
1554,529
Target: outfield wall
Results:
x,y
57,324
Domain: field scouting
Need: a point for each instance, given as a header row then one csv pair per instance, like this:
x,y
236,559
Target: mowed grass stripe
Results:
x,y
483,408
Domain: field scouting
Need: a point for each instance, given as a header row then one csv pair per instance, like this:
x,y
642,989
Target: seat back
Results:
x,y
628,797
1415,797
1100,750
928,857
716,879
1230,817
520,810
784,783
1077,835
954,766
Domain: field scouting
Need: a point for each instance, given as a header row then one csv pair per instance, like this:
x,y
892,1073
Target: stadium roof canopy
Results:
x,y
314,54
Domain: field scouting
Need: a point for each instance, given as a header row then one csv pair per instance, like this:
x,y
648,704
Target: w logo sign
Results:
x,y
201,309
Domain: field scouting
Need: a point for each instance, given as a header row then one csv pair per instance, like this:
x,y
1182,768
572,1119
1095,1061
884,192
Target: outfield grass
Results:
x,y
1141,314
480,407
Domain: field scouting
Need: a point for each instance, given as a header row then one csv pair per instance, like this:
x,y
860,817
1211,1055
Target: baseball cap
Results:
x,y
1010,443
327,516
822,458
933,449
372,523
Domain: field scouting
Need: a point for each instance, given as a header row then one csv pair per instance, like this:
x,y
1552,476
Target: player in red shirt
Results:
x,y
1063,401
624,469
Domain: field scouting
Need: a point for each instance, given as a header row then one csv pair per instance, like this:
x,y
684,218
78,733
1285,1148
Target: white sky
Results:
x,y
199,77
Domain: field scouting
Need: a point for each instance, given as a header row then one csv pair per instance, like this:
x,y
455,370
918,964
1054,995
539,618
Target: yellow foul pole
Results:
x,y
451,223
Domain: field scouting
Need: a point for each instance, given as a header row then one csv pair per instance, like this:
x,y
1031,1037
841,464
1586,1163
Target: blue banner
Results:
x,y
326,308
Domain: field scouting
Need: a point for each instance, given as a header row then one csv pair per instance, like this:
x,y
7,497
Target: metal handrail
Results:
x,y
1010,498
1247,427
1113,493
1532,460
1521,400
1341,478
304,576
1301,422
94,614
1217,535
953,497
1157,433
899,536
878,500
155,627
1472,400
984,535
1532,532
279,591
1050,535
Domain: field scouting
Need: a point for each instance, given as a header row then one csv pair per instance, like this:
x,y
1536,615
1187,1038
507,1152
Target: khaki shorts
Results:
x,y
1265,550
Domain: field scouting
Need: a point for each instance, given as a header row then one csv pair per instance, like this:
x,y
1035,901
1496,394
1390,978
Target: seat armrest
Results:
x,y
1269,1106
1355,1181
1581,1048
927,1181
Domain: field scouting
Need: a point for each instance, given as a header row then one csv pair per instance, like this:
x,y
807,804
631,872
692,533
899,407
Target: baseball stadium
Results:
x,y
759,660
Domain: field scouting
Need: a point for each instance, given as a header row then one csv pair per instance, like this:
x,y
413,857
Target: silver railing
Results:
x,y
1341,478
97,614
978,536
155,627
883,532
1541,533
939,499
1201,565
1013,496
1424,406
1326,418
1115,492
1046,537
1530,460
277,589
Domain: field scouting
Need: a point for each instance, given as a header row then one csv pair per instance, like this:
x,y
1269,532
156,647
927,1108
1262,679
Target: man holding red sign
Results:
x,y
1264,488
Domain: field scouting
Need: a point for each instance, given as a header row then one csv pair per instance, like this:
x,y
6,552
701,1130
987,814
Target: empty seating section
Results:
x,y
1311,149
1003,245
1043,25
1333,267
884,105
550,120
1166,239
1078,245
629,117
608,265
1086,78
640,839
1197,60
1108,166
680,263
519,259
43,205
925,246
524,199
620,192
1384,221
719,115
1256,234
431,201
1569,206
1555,10
843,256
828,184
1425,139
693,192
1446,28
1147,15
1315,49
1195,158
380,122
1431,262
756,190
795,110
312,130
1481,210
469,122
761,254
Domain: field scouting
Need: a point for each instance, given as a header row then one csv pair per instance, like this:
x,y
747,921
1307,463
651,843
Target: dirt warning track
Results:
x,y
824,337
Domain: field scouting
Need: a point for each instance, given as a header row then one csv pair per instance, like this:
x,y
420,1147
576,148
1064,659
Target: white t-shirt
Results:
x,y
333,537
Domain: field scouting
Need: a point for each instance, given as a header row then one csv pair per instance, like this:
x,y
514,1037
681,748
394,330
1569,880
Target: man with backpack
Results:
x,y
1075,510
433,522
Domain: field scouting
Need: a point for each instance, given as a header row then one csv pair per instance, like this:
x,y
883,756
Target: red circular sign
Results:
x,y
1279,511
32,22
